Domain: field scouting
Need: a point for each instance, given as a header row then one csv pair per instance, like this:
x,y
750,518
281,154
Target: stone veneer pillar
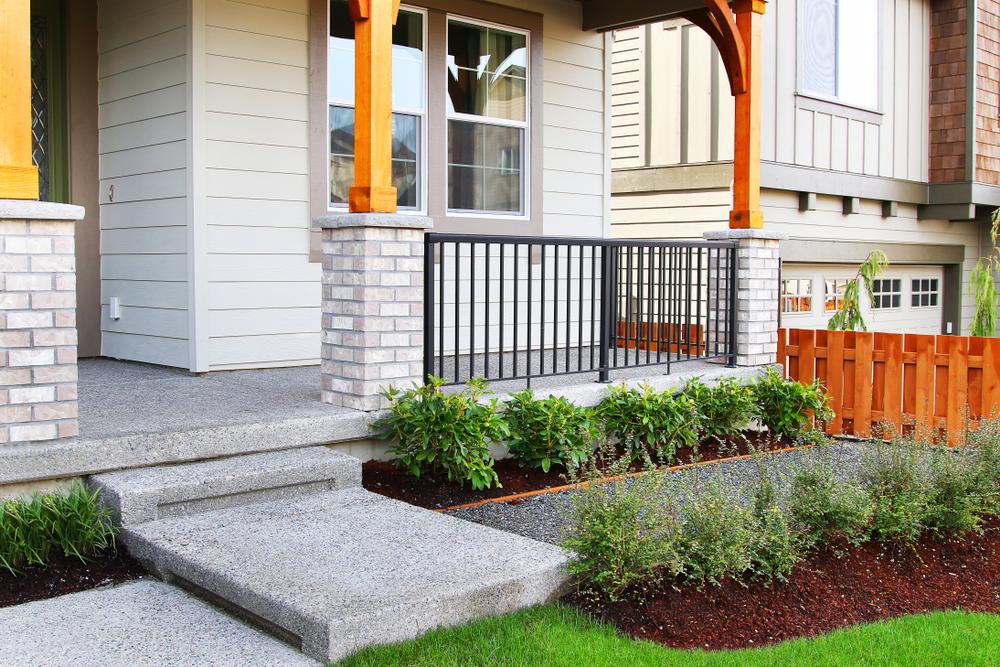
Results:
x,y
372,306
758,270
38,365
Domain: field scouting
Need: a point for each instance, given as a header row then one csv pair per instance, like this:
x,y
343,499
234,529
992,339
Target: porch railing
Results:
x,y
524,307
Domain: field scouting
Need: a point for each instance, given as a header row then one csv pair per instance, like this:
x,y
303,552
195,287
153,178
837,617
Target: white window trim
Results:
x,y
936,292
420,113
798,295
802,91
890,294
525,125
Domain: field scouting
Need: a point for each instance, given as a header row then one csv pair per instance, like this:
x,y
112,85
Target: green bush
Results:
x,y
74,523
897,483
787,407
984,442
623,533
825,510
726,408
776,546
646,420
717,536
958,499
439,433
549,431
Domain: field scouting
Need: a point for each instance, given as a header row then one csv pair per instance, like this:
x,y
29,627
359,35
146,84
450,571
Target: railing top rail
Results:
x,y
439,237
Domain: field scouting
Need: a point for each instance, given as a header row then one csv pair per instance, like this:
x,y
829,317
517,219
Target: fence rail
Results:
x,y
925,381
524,307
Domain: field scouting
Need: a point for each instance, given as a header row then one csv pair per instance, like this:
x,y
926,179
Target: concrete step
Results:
x,y
337,571
147,494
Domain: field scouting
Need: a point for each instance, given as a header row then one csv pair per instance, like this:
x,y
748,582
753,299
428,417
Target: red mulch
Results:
x,y
66,575
822,594
383,477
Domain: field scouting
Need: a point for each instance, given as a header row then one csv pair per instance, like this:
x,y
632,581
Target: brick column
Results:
x,y
372,306
758,266
38,368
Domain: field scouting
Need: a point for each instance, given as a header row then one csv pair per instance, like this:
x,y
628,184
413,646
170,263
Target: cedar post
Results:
x,y
373,191
18,175
746,213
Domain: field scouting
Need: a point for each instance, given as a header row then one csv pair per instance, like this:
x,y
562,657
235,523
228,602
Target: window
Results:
x,y
834,294
839,50
487,72
796,295
408,102
887,292
924,292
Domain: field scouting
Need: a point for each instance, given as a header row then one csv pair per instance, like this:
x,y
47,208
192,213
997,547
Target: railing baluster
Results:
x,y
555,310
503,306
579,316
486,316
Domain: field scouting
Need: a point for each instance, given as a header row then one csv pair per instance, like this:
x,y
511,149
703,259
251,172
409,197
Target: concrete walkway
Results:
x,y
135,624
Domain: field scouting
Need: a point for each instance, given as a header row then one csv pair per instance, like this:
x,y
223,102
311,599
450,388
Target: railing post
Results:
x,y
428,307
607,312
731,303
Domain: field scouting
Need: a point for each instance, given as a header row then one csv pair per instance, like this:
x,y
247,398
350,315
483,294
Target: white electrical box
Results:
x,y
115,308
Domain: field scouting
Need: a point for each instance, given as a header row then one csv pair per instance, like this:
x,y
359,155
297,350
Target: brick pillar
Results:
x,y
38,369
758,266
372,306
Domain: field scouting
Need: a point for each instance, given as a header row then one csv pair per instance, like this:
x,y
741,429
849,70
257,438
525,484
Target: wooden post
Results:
x,y
18,175
373,191
746,213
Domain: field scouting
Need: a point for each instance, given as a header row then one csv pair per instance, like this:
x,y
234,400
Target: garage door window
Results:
x,y
888,293
796,295
834,295
924,292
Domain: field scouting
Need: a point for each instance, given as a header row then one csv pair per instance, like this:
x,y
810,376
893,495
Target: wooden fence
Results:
x,y
937,382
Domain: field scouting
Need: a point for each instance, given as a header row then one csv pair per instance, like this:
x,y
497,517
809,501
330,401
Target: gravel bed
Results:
x,y
544,517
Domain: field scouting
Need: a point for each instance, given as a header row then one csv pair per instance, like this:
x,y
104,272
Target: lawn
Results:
x,y
557,636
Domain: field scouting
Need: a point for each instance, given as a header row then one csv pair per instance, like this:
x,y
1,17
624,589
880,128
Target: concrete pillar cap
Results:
x,y
30,209
392,220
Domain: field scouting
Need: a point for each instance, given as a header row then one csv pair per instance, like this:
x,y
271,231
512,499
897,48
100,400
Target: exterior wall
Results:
x,y
947,91
987,92
143,160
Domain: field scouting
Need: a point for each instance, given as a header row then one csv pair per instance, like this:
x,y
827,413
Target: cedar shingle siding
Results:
x,y
947,92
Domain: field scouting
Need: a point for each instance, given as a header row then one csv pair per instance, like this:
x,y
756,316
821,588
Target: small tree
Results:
x,y
848,317
984,288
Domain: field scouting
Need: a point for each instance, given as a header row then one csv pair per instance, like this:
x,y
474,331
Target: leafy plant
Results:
x,y
959,495
787,407
777,545
825,510
644,419
74,523
439,433
624,533
899,491
849,317
717,536
982,284
726,408
549,431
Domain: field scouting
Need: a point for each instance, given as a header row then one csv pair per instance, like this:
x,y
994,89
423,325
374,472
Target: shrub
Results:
x,y
899,490
726,408
644,419
776,545
623,533
550,430
440,433
74,523
826,511
717,536
958,498
787,407
984,442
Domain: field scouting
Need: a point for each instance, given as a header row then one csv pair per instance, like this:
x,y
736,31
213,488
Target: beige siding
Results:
x,y
143,162
260,291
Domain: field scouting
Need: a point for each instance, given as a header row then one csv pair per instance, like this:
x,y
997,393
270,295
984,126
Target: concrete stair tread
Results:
x,y
344,569
147,494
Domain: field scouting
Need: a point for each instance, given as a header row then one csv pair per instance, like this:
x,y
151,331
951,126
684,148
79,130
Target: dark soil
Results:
x,y
385,478
822,594
66,575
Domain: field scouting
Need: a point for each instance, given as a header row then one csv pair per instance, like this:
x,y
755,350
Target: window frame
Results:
x,y
802,91
935,292
837,299
783,297
878,282
422,124
525,126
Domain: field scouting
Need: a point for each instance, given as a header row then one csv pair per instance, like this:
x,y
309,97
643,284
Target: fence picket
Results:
x,y
991,378
863,345
924,385
807,356
958,383
835,378
892,401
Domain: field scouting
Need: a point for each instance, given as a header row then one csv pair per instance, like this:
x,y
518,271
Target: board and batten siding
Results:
x,y
687,117
261,292
143,162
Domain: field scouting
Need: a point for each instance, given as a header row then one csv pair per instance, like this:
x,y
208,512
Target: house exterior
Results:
x,y
878,131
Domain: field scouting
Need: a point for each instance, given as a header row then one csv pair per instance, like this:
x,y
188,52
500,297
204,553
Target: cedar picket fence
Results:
x,y
944,383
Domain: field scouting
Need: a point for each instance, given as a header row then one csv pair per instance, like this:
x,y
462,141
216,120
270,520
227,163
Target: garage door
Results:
x,y
907,298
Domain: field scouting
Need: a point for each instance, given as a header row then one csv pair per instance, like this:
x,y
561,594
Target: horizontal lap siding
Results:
x,y
261,292
143,155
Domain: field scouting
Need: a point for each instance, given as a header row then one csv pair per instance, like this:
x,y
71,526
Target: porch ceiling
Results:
x,y
603,15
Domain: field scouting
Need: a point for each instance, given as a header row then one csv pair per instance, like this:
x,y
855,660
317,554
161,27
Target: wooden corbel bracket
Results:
x,y
717,20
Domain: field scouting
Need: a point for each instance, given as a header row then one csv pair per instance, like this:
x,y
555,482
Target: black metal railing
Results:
x,y
523,307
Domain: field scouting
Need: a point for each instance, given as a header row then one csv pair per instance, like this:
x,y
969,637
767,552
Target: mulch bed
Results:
x,y
822,594
66,575
383,477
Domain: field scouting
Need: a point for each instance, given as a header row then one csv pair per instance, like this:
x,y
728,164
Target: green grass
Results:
x,y
557,636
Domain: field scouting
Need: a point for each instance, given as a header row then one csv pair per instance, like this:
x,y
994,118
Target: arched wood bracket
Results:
x,y
717,20
362,9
